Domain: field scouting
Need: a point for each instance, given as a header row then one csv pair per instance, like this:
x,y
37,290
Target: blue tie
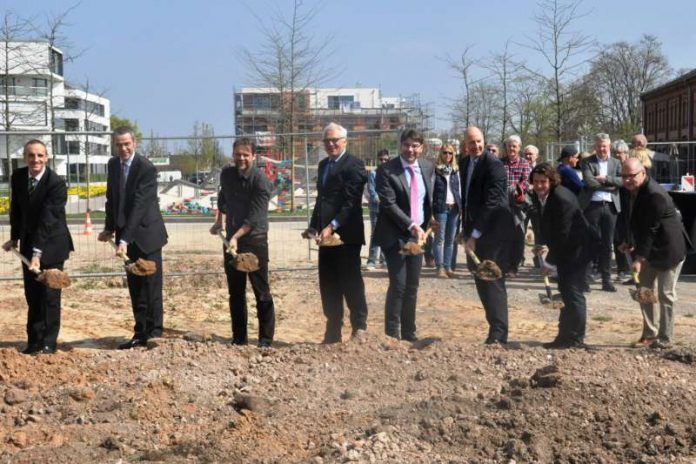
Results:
x,y
329,169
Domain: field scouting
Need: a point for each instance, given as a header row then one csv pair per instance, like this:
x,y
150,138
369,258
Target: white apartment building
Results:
x,y
34,97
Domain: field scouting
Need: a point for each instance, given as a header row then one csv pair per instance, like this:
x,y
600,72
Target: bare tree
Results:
x,y
461,109
289,61
620,73
562,48
505,69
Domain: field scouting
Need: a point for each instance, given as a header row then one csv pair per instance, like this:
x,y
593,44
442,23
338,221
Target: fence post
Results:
x,y
306,160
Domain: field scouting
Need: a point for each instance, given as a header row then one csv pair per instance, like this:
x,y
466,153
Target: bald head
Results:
x,y
639,141
633,174
473,140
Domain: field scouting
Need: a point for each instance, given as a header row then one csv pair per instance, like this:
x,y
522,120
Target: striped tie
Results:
x,y
32,184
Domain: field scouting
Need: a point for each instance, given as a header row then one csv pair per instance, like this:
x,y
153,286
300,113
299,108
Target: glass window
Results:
x,y
336,102
72,125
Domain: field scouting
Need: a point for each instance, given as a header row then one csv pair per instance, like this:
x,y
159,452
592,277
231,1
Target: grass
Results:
x,y
602,318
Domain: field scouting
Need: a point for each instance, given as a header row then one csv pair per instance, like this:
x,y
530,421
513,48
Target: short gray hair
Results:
x,y
341,130
513,138
601,137
531,148
619,145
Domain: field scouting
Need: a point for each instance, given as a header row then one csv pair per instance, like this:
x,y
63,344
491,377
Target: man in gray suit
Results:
x,y
601,202
405,189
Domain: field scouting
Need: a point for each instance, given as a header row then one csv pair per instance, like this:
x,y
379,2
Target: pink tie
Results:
x,y
414,196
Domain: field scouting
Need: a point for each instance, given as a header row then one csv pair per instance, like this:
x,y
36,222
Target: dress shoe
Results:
x,y
48,349
357,333
410,338
629,282
132,343
493,341
660,345
238,342
564,344
608,287
31,349
329,340
264,343
429,262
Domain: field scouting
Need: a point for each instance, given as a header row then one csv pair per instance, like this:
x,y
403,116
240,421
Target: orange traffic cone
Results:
x,y
88,225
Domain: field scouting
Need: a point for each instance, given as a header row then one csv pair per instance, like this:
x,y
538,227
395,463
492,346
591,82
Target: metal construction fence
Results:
x,y
189,202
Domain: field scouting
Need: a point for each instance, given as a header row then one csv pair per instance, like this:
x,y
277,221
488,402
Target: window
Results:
x,y
39,87
72,104
10,83
260,101
336,102
74,148
56,62
72,125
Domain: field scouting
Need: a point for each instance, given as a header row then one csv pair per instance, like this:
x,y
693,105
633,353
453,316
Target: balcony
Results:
x,y
22,91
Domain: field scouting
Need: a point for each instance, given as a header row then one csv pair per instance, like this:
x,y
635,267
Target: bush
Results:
x,y
94,191
4,205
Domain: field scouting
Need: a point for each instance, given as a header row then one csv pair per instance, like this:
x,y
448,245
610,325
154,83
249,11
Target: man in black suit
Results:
x,y
487,227
132,212
600,201
567,236
405,189
340,182
243,200
659,243
37,222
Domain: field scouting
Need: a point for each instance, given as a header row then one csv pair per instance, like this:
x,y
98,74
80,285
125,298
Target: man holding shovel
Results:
x,y
243,200
37,222
659,245
133,214
567,236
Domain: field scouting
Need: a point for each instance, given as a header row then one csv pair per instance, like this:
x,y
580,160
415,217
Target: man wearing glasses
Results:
x,y
373,205
659,245
340,183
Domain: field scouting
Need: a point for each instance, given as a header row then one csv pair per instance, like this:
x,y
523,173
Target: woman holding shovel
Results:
x,y
37,221
567,237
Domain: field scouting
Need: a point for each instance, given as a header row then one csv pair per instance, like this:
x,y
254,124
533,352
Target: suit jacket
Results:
x,y
340,198
564,229
144,224
590,170
395,201
38,221
487,206
656,228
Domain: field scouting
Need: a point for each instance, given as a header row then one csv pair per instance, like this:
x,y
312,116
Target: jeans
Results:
x,y
444,237
374,249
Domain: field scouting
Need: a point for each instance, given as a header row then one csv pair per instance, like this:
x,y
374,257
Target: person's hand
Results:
x,y
121,250
418,233
215,228
637,264
232,247
601,179
309,233
325,233
470,245
545,270
35,263
434,224
105,235
540,249
8,245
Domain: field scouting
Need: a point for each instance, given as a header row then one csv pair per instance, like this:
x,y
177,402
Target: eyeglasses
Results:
x,y
447,153
334,140
630,176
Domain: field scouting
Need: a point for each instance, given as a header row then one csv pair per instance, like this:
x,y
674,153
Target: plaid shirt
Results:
x,y
515,171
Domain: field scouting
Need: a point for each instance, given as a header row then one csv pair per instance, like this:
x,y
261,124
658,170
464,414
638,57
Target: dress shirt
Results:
x,y
601,195
421,188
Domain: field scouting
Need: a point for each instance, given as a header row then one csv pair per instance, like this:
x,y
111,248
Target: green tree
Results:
x,y
116,121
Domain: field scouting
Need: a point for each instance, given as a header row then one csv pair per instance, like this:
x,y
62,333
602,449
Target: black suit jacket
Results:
x,y
38,221
340,198
564,229
590,170
144,224
656,228
487,206
395,201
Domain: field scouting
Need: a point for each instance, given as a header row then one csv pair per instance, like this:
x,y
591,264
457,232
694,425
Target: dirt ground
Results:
x,y
192,397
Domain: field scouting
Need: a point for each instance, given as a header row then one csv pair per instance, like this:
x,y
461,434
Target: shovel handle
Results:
x,y
25,261
121,255
474,258
634,274
221,234
547,286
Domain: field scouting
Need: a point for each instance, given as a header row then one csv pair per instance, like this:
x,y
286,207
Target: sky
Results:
x,y
167,64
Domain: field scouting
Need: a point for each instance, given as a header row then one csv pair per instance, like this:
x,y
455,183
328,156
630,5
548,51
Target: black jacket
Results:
x,y
440,191
395,202
244,200
564,229
340,198
38,221
656,229
144,224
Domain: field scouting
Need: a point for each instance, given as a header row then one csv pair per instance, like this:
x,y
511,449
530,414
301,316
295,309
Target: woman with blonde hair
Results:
x,y
447,202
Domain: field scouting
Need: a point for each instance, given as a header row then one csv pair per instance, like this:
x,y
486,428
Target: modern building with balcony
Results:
x,y
34,97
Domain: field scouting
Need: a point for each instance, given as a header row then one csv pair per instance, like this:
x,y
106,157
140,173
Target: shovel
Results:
x,y
642,295
548,297
140,267
415,248
51,278
243,262
486,270
330,241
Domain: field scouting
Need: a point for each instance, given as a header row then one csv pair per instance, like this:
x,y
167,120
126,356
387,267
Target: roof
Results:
x,y
683,79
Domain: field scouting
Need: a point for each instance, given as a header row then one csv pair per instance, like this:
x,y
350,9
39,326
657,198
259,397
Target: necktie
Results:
x,y
32,184
414,196
329,169
469,173
121,217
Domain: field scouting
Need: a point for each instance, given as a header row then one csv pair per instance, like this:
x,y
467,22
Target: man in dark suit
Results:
x,y
600,201
566,234
244,195
487,227
405,189
37,222
132,212
659,243
340,182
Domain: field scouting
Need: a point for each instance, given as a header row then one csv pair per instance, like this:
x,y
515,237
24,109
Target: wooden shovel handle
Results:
x,y
25,261
122,255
